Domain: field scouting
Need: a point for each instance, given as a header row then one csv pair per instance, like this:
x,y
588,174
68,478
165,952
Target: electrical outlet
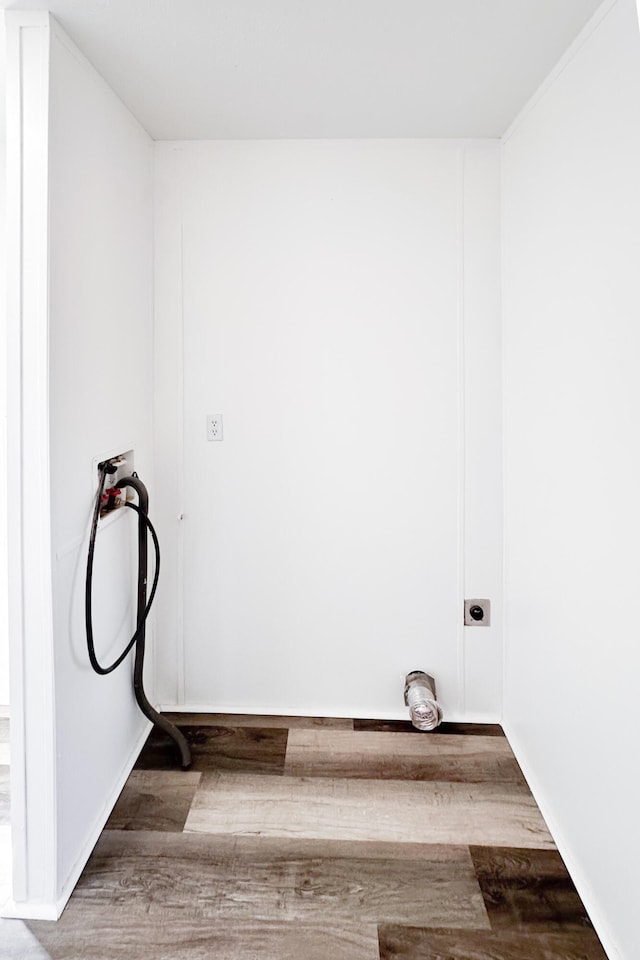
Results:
x,y
477,613
214,426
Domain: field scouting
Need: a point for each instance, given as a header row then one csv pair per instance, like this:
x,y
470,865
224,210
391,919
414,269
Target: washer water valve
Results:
x,y
110,500
420,697
112,496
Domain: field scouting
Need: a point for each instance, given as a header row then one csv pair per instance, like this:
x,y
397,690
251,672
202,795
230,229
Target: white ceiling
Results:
x,y
210,69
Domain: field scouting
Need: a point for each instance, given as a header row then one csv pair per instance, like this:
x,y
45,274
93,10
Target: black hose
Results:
x,y
103,671
144,606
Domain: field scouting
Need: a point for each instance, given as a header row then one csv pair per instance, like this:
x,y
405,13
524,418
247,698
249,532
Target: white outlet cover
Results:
x,y
214,426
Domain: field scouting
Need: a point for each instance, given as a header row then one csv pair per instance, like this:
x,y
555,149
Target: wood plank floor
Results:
x,y
322,840
387,756
364,810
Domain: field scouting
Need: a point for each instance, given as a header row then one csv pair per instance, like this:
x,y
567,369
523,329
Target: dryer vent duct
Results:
x,y
420,697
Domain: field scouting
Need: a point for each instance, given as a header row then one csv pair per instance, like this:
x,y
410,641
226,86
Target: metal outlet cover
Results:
x,y
476,621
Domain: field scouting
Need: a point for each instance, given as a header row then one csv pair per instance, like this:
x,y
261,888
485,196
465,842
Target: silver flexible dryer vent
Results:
x,y
420,697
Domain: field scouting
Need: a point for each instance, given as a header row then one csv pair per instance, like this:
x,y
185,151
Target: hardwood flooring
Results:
x,y
411,943
528,889
257,880
322,840
157,800
214,747
389,756
387,810
98,933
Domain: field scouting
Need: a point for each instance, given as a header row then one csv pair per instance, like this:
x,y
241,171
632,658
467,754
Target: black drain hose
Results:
x,y
139,637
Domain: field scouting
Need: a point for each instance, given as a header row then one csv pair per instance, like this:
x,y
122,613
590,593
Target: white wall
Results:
x,y
100,343
572,395
319,294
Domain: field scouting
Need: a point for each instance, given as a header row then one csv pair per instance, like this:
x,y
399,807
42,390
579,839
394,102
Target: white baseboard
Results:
x,y
5,711
29,911
289,710
581,882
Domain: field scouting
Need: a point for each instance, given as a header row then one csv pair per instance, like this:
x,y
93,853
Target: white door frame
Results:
x,y
33,744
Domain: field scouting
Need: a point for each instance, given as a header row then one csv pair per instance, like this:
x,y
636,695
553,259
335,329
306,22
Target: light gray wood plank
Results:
x,y
301,881
484,814
101,933
154,800
255,720
400,756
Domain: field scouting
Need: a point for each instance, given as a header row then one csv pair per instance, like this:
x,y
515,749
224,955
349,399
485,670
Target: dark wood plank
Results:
x,y
528,889
405,726
516,863
254,720
154,800
412,943
395,756
239,749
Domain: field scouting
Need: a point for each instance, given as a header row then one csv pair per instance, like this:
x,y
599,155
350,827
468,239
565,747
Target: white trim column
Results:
x,y
33,797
